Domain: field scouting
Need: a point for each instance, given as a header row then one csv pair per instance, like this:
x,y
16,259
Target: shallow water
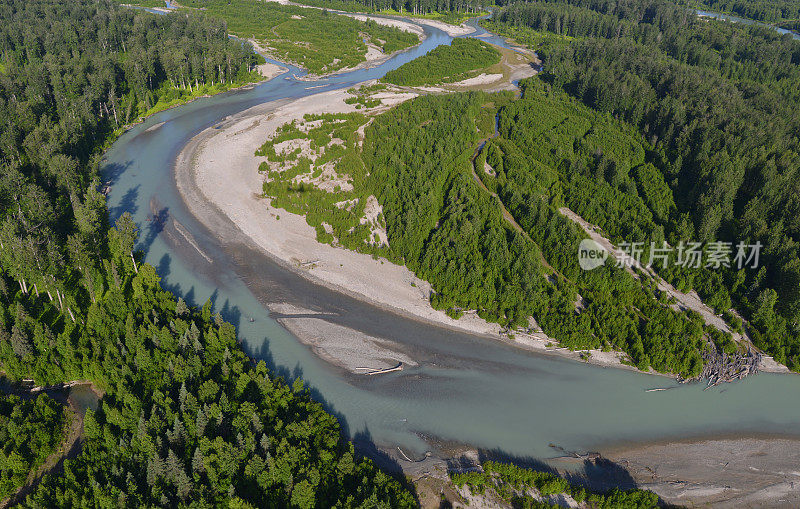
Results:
x,y
467,389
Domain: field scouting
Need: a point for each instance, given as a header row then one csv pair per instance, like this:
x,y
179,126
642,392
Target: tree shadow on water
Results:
x,y
365,447
289,376
154,224
112,171
163,270
231,314
126,204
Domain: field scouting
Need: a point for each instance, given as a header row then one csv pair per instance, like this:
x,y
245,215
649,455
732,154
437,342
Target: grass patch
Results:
x,y
317,40
542,42
445,64
330,190
144,3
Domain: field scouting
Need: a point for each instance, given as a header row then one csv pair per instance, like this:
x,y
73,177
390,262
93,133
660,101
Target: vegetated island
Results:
x,y
466,64
318,40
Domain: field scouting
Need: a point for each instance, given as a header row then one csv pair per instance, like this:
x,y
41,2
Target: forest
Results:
x,y
449,11
30,430
445,64
768,11
317,40
718,104
445,220
75,74
186,417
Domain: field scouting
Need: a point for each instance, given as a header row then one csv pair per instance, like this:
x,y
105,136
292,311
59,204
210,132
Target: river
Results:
x,y
737,19
466,389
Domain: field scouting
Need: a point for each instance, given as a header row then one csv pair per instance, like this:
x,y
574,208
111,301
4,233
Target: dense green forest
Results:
x,y
443,214
445,64
74,73
449,11
513,485
186,418
30,430
452,232
769,11
314,39
718,102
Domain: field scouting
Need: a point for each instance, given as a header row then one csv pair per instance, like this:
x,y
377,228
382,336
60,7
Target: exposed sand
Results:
x,y
481,79
267,69
405,26
341,346
270,71
220,163
725,473
451,30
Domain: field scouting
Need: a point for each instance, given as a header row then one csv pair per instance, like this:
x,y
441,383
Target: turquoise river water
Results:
x,y
467,389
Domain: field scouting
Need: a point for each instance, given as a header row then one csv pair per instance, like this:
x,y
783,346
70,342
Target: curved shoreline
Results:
x,y
210,220
231,192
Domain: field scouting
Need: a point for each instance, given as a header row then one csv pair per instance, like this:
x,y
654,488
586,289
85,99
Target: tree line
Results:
x,y
768,11
74,73
514,484
414,7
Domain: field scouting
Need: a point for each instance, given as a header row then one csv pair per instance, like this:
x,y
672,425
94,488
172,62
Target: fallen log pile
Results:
x,y
721,367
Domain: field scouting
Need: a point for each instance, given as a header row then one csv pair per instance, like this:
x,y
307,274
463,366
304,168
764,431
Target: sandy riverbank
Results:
x,y
723,473
406,26
267,69
451,30
220,164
